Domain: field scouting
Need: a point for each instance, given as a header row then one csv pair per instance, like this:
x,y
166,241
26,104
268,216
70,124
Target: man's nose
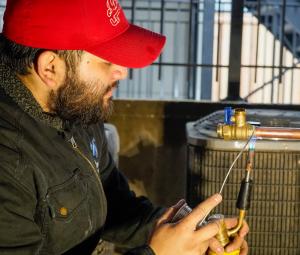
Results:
x,y
120,72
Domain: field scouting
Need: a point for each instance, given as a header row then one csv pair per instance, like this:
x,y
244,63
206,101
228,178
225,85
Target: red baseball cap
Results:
x,y
96,26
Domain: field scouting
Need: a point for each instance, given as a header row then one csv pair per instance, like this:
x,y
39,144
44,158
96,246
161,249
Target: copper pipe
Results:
x,y
277,132
249,166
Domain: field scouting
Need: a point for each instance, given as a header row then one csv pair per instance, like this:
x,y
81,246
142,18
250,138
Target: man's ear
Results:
x,y
50,68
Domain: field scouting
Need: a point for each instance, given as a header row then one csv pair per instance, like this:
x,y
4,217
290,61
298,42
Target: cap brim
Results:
x,y
135,48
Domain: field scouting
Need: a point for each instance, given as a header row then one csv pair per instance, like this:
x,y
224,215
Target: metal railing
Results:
x,y
195,63
187,70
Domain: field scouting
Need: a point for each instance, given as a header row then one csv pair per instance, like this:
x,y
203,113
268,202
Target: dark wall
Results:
x,y
153,143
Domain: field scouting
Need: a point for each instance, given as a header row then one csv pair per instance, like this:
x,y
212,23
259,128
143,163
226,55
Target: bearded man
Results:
x,y
60,190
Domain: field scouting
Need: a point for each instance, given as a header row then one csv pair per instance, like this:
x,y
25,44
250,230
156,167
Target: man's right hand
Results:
x,y
182,237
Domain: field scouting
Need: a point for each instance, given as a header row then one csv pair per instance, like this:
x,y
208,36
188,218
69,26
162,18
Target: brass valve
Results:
x,y
239,129
224,234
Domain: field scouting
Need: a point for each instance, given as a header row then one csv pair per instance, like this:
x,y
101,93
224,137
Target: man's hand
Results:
x,y
181,237
237,243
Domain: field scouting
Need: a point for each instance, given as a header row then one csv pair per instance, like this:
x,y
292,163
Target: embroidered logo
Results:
x,y
113,11
94,150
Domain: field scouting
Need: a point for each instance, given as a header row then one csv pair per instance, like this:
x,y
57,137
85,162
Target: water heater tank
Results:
x,y
274,215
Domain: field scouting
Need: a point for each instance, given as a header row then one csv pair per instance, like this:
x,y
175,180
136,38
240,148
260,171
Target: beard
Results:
x,y
84,101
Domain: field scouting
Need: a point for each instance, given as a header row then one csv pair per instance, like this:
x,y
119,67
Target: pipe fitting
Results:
x,y
234,132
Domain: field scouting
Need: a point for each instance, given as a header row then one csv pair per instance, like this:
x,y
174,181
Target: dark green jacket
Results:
x,y
59,188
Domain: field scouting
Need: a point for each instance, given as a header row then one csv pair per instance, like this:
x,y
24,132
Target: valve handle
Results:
x,y
227,115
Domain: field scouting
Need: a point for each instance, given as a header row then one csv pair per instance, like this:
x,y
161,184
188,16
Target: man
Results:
x,y
59,188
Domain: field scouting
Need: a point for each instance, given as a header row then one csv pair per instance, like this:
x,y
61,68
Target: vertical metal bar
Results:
x,y
292,70
189,52
280,94
190,92
274,30
282,89
133,7
282,37
257,38
162,19
253,30
192,49
151,80
130,83
150,68
265,37
235,50
218,41
148,92
195,43
175,53
207,48
140,83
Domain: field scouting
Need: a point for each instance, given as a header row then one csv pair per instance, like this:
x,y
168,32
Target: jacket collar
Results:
x,y
15,89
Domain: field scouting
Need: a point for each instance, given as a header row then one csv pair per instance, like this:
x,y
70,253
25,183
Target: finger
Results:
x,y
216,246
169,213
201,211
204,247
244,230
236,244
208,231
244,249
230,222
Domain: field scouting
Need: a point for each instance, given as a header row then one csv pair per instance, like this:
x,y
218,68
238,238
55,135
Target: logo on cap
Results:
x,y
113,11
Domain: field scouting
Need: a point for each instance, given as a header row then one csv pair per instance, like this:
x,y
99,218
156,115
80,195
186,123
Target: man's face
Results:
x,y
86,93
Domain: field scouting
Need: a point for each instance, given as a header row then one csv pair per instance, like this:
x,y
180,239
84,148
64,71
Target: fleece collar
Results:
x,y
15,89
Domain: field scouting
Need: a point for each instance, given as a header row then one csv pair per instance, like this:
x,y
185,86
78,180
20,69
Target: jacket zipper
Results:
x,y
76,148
